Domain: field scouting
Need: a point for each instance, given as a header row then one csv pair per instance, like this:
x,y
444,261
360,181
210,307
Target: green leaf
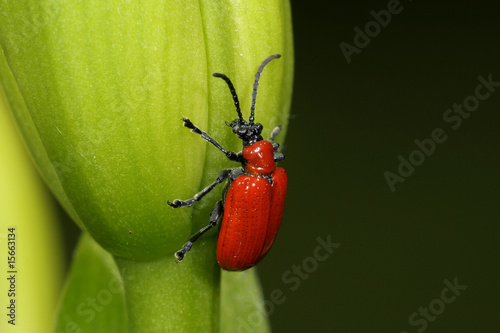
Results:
x,y
242,307
26,206
93,298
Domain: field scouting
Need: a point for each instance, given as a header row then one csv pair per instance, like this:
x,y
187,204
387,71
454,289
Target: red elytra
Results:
x,y
252,207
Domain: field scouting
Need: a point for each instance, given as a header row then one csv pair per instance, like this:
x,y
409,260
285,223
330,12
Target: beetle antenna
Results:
x,y
256,84
233,92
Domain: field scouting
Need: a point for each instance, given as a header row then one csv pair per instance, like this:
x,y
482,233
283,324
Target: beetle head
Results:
x,y
248,131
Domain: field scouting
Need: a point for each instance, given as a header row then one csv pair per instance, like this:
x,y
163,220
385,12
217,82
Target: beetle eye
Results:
x,y
258,128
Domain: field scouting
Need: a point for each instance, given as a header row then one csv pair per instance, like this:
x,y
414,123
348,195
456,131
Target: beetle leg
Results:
x,y
271,139
275,133
197,197
278,157
214,218
229,154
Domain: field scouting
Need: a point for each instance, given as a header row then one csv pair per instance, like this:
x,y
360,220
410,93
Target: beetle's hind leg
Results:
x,y
216,213
197,197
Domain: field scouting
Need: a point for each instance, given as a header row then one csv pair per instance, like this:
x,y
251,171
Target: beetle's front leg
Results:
x,y
278,157
197,197
275,133
214,218
229,154
273,136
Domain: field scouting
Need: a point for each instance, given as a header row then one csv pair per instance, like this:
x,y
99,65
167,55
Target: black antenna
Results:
x,y
233,92
256,84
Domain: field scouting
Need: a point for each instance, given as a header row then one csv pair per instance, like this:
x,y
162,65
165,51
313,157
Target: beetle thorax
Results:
x,y
260,157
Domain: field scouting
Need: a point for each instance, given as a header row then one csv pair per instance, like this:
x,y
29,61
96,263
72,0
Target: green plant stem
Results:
x,y
165,296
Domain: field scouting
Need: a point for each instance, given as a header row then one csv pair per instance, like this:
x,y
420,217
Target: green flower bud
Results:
x,y
98,89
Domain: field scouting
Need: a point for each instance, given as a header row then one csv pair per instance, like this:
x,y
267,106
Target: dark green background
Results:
x,y
349,123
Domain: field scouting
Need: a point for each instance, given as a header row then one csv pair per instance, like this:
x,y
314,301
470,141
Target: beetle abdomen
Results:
x,y
252,213
280,181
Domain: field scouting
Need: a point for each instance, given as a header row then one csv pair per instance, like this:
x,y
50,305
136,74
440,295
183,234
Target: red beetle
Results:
x,y
254,198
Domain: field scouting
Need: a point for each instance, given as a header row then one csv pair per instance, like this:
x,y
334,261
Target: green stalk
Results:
x,y
173,297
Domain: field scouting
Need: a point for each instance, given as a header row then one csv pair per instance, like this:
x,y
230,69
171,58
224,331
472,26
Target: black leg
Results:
x,y
181,203
273,136
278,157
230,154
214,218
275,133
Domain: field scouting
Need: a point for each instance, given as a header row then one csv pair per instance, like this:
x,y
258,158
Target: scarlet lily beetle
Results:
x,y
254,197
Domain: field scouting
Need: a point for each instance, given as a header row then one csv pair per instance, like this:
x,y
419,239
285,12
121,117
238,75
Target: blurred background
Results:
x,y
405,256
349,124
